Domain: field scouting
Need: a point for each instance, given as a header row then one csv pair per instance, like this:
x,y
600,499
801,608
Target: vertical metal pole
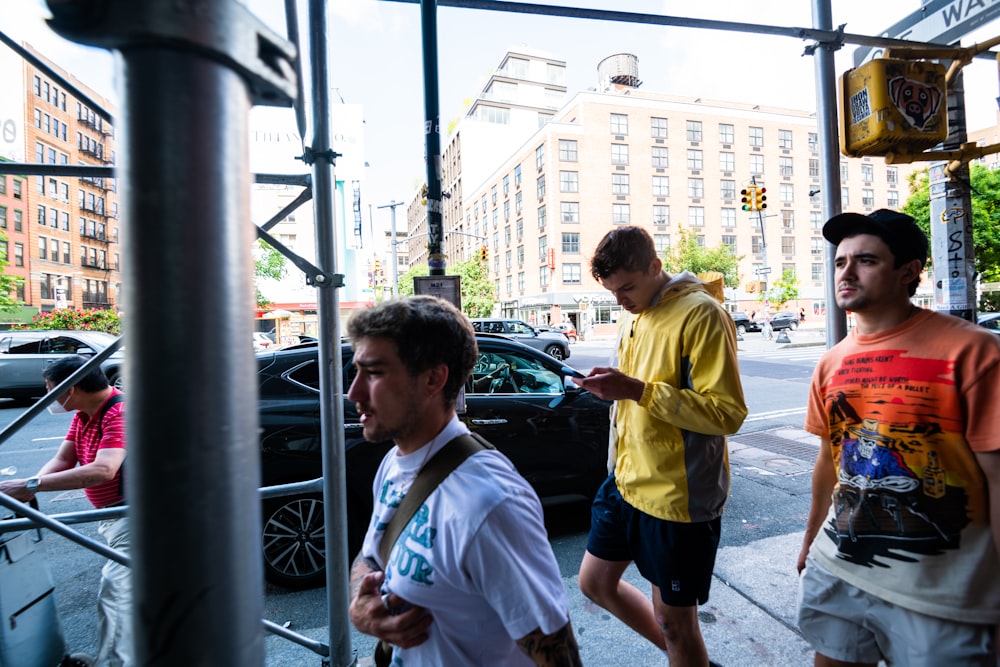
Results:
x,y
331,381
826,121
436,261
193,462
395,256
954,269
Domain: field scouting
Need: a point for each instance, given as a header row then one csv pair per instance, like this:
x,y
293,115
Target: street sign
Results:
x,y
938,21
762,272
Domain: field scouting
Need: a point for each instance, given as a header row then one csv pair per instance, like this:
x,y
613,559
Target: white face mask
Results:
x,y
57,408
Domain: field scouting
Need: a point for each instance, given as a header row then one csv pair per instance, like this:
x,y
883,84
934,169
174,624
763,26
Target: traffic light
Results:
x,y
752,286
484,254
378,267
749,197
760,199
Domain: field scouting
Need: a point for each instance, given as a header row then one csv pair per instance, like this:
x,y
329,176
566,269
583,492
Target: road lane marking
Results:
x,y
761,416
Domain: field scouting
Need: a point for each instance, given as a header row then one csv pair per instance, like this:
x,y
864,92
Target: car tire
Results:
x,y
572,339
792,326
556,352
740,329
117,380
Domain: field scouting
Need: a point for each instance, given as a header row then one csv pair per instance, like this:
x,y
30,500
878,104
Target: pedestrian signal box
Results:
x,y
893,106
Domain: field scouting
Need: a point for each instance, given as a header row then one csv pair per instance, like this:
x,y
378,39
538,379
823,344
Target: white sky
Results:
x,y
376,62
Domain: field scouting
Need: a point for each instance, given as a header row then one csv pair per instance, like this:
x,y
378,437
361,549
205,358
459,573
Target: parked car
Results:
x,y
520,399
261,341
743,322
551,343
989,321
785,319
25,354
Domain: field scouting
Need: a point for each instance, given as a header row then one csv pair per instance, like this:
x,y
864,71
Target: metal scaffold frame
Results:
x,y
192,418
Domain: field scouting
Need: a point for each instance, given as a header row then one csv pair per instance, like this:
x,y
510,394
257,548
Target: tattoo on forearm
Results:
x,y
556,650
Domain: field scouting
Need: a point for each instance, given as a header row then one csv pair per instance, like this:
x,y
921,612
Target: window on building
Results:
x,y
727,188
694,159
727,161
517,177
506,209
727,133
506,185
569,211
693,130
506,235
817,272
3,217
813,142
571,274
541,218
543,276
788,268
892,199
520,280
787,193
3,184
785,139
658,127
620,214
661,186
571,243
17,188
843,171
845,197
728,217
540,186
755,245
729,242
53,218
519,229
696,216
661,215
892,175
567,150
494,191
813,167
787,219
543,247
569,181
661,157
756,136
43,248
867,197
785,166
619,123
867,173
517,203
661,242
816,220
18,254
619,184
696,187
816,246
619,153
54,250
540,157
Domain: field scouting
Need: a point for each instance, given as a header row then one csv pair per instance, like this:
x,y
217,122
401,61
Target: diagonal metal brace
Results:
x,y
314,276
226,32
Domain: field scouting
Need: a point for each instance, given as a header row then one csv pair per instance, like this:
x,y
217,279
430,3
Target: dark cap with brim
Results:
x,y
899,231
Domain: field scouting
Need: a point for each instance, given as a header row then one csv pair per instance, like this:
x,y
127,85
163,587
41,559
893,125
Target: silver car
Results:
x,y
25,354
556,345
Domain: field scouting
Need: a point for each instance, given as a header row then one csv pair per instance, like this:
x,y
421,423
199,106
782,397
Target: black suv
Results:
x,y
518,398
551,343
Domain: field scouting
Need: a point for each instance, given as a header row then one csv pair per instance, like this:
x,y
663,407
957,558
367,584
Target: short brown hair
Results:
x,y
627,248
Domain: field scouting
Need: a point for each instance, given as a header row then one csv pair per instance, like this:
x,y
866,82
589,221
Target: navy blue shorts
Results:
x,y
676,557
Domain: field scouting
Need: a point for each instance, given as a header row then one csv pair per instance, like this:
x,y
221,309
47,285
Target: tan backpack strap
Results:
x,y
430,476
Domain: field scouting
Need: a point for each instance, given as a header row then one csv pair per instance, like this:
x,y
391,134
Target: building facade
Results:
x,y
72,253
675,166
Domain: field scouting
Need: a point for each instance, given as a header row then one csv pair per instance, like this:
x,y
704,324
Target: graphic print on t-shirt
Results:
x,y
894,425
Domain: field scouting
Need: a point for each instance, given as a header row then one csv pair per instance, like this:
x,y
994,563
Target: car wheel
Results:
x,y
740,329
793,325
572,339
117,381
555,352
294,541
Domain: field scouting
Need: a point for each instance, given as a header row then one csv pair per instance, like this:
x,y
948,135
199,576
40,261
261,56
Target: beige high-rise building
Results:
x,y
673,165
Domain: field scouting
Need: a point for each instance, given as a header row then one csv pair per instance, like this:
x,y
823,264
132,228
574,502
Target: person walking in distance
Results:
x,y
899,557
677,396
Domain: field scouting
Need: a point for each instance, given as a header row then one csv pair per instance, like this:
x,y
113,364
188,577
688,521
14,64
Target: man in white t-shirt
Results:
x,y
472,579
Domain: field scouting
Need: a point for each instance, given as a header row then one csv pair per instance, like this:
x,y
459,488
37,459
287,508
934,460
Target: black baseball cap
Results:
x,y
898,230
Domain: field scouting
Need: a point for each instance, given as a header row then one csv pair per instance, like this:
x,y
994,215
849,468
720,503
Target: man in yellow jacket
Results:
x,y
677,396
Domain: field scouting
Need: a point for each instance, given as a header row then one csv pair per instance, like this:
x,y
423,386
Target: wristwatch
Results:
x,y
31,484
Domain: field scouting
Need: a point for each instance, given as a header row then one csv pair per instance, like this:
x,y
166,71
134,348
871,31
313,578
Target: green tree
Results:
x,y
985,195
690,256
8,283
477,289
784,289
267,263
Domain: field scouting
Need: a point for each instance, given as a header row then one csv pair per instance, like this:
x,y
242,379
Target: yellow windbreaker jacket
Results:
x,y
671,457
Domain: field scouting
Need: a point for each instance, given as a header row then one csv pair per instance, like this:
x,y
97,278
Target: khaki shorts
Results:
x,y
845,623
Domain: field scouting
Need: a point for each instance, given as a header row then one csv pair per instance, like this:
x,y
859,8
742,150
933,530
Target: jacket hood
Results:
x,y
710,282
